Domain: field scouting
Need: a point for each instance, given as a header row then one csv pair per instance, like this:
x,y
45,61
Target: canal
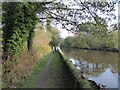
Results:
x,y
98,66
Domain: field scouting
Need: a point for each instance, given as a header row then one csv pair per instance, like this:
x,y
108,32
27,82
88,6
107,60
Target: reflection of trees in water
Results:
x,y
92,69
94,62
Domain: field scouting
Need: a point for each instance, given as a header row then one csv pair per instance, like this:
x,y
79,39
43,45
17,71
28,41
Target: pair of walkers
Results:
x,y
54,49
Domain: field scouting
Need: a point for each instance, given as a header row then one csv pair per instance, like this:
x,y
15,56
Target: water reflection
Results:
x,y
100,66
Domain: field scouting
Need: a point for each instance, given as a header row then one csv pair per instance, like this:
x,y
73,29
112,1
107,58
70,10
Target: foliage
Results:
x,y
27,60
93,38
73,13
115,38
55,39
41,41
19,19
90,27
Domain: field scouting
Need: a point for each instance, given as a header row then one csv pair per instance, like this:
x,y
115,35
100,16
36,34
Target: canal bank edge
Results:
x,y
82,81
108,50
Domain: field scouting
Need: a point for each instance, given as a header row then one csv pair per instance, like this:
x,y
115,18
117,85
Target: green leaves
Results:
x,y
97,40
19,20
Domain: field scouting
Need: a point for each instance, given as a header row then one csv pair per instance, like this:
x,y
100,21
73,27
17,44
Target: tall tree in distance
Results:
x,y
55,39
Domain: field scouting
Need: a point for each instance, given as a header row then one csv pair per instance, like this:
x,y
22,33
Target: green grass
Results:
x,y
59,73
56,63
83,83
36,71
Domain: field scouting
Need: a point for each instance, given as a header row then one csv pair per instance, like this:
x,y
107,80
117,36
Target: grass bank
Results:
x,y
36,71
60,75
83,82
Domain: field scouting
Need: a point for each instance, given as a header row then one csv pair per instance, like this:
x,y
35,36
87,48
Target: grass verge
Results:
x,y
83,82
60,75
36,71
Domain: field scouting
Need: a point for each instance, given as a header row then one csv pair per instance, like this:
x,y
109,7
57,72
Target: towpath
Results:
x,y
56,74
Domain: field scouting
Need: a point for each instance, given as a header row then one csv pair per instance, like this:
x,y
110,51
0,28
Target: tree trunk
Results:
x,y
30,40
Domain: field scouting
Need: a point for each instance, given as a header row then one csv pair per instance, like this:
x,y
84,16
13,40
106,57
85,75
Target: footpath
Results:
x,y
56,74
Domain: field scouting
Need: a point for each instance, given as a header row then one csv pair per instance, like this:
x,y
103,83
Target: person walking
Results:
x,y
56,48
53,49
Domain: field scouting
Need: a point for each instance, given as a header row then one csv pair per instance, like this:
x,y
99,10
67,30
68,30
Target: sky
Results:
x,y
64,33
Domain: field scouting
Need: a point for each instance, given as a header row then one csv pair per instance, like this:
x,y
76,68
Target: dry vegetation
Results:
x,y
23,68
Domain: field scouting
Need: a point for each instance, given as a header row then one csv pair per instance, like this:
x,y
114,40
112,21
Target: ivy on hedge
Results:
x,y
18,19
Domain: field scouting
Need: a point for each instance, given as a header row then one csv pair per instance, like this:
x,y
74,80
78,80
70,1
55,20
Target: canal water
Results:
x,y
98,66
